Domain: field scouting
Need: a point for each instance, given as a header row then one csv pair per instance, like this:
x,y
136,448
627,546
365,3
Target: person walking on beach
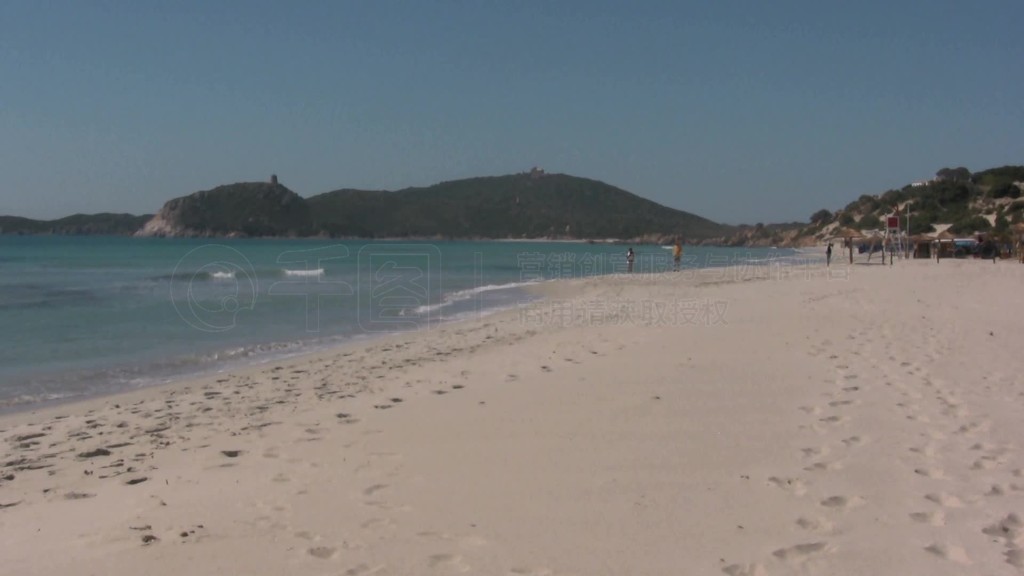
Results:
x,y
828,255
630,256
677,253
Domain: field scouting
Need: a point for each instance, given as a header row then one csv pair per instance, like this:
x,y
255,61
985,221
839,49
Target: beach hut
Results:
x,y
846,235
922,244
944,246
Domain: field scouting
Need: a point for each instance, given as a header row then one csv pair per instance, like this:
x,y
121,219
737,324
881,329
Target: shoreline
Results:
x,y
553,289
712,419
127,374
246,365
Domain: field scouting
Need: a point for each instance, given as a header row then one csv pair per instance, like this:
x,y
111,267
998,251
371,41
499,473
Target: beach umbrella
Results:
x,y
846,234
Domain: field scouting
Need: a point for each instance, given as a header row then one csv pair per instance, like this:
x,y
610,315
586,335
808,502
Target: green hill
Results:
x,y
966,202
243,209
527,205
513,206
957,200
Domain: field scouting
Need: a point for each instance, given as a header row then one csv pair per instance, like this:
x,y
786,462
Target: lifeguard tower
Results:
x,y
895,241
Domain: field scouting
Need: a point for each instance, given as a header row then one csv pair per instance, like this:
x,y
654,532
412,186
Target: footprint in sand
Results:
x,y
374,489
452,563
833,419
1010,528
814,451
795,486
996,490
932,518
853,441
949,552
824,466
363,570
943,499
841,502
927,451
814,524
745,570
930,472
323,552
987,462
800,551
973,427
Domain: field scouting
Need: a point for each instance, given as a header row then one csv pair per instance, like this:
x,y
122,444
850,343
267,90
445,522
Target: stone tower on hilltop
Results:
x,y
273,179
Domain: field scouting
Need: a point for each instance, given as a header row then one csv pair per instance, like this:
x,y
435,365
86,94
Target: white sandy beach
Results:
x,y
706,422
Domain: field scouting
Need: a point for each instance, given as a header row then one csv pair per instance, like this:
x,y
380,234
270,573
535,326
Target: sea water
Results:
x,y
91,315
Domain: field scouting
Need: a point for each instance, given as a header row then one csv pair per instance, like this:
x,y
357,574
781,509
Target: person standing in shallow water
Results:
x,y
630,256
828,255
677,253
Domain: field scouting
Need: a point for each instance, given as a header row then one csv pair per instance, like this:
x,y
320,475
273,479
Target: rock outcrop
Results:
x,y
248,209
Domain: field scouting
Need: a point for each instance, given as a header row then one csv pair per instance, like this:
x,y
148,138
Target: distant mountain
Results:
x,y
78,224
243,209
529,205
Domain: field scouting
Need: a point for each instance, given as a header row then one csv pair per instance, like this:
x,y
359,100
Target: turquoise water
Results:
x,y
91,315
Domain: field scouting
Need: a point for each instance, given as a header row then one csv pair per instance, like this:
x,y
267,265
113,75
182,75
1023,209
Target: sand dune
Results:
x,y
739,421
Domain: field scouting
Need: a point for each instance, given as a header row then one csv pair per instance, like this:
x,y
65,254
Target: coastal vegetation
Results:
x,y
247,209
957,200
539,205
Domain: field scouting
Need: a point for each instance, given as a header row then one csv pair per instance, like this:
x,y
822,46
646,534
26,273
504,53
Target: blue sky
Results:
x,y
738,111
